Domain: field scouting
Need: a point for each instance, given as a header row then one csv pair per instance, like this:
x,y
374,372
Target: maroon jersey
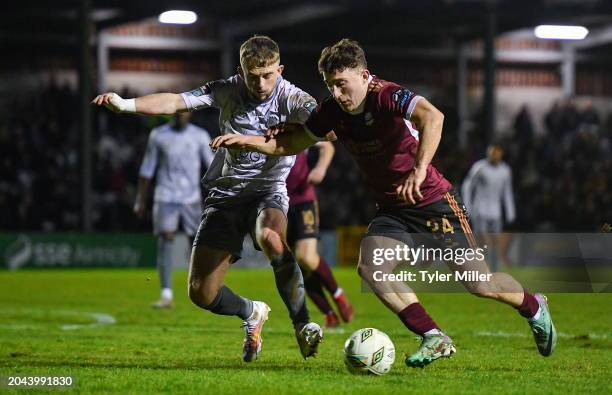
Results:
x,y
381,140
298,188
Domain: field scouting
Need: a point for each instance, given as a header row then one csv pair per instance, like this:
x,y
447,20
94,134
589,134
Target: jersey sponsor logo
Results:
x,y
250,157
402,96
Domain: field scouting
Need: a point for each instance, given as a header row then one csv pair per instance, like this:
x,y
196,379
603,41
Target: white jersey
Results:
x,y
177,155
243,173
486,187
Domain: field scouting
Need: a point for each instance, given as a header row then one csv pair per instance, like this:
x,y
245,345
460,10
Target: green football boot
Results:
x,y
543,329
432,348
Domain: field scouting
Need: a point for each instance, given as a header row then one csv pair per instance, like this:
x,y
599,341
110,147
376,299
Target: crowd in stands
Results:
x,y
562,177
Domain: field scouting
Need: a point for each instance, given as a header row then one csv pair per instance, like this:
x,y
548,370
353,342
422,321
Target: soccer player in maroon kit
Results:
x,y
373,119
303,231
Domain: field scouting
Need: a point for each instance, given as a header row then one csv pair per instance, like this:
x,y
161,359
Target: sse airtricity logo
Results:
x,y
18,253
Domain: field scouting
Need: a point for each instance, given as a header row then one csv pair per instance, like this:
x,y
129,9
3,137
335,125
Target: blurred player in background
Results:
x,y
486,188
176,151
249,195
373,119
303,231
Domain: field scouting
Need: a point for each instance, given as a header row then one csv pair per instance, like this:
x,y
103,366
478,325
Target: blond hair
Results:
x,y
259,51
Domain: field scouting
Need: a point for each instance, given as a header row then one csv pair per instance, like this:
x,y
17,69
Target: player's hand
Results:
x,y
315,176
274,130
139,209
110,100
231,140
410,190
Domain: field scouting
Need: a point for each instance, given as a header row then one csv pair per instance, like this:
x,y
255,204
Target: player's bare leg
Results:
x,y
504,288
270,232
400,299
317,274
165,242
207,269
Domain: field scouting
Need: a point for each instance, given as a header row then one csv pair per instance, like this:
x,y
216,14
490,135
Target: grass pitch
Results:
x,y
60,322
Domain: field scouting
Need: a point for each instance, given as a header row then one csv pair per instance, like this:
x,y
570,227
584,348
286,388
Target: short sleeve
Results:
x,y
300,105
321,121
208,95
398,100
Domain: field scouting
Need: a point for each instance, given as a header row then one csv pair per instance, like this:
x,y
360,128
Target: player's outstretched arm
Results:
x,y
292,140
155,104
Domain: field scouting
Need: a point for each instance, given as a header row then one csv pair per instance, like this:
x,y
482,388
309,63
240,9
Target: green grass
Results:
x,y
187,350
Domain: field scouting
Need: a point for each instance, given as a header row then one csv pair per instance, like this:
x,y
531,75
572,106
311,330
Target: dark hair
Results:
x,y
345,54
259,51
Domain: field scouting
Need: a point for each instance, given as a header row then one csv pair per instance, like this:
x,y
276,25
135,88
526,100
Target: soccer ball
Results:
x,y
369,350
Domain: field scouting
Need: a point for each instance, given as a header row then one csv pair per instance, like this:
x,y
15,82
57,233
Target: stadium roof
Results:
x,y
395,23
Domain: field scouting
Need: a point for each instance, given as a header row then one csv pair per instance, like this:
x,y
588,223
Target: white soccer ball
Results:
x,y
369,350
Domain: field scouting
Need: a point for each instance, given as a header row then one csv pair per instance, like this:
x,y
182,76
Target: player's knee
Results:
x,y
272,242
481,289
201,295
307,261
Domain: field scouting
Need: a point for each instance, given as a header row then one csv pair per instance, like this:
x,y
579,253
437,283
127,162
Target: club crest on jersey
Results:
x,y
368,119
401,96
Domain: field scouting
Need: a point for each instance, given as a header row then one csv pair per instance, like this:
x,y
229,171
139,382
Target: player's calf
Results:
x,y
271,242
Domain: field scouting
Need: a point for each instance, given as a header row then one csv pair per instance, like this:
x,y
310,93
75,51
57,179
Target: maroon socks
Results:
x,y
326,277
416,319
529,307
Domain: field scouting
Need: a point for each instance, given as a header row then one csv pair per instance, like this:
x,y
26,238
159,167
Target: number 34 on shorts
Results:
x,y
437,225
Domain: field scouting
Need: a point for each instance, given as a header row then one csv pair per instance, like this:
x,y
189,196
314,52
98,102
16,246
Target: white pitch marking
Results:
x,y
100,318
559,334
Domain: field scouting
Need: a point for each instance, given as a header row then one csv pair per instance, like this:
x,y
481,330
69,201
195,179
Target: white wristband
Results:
x,y
129,105
123,105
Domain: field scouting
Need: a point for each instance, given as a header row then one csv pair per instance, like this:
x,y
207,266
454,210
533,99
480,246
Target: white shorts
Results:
x,y
168,216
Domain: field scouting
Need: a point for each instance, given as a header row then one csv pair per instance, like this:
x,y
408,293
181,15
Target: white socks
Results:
x,y
166,294
434,332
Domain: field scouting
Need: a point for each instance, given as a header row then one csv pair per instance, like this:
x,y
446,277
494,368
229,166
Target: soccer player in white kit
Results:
x,y
488,187
175,150
247,191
